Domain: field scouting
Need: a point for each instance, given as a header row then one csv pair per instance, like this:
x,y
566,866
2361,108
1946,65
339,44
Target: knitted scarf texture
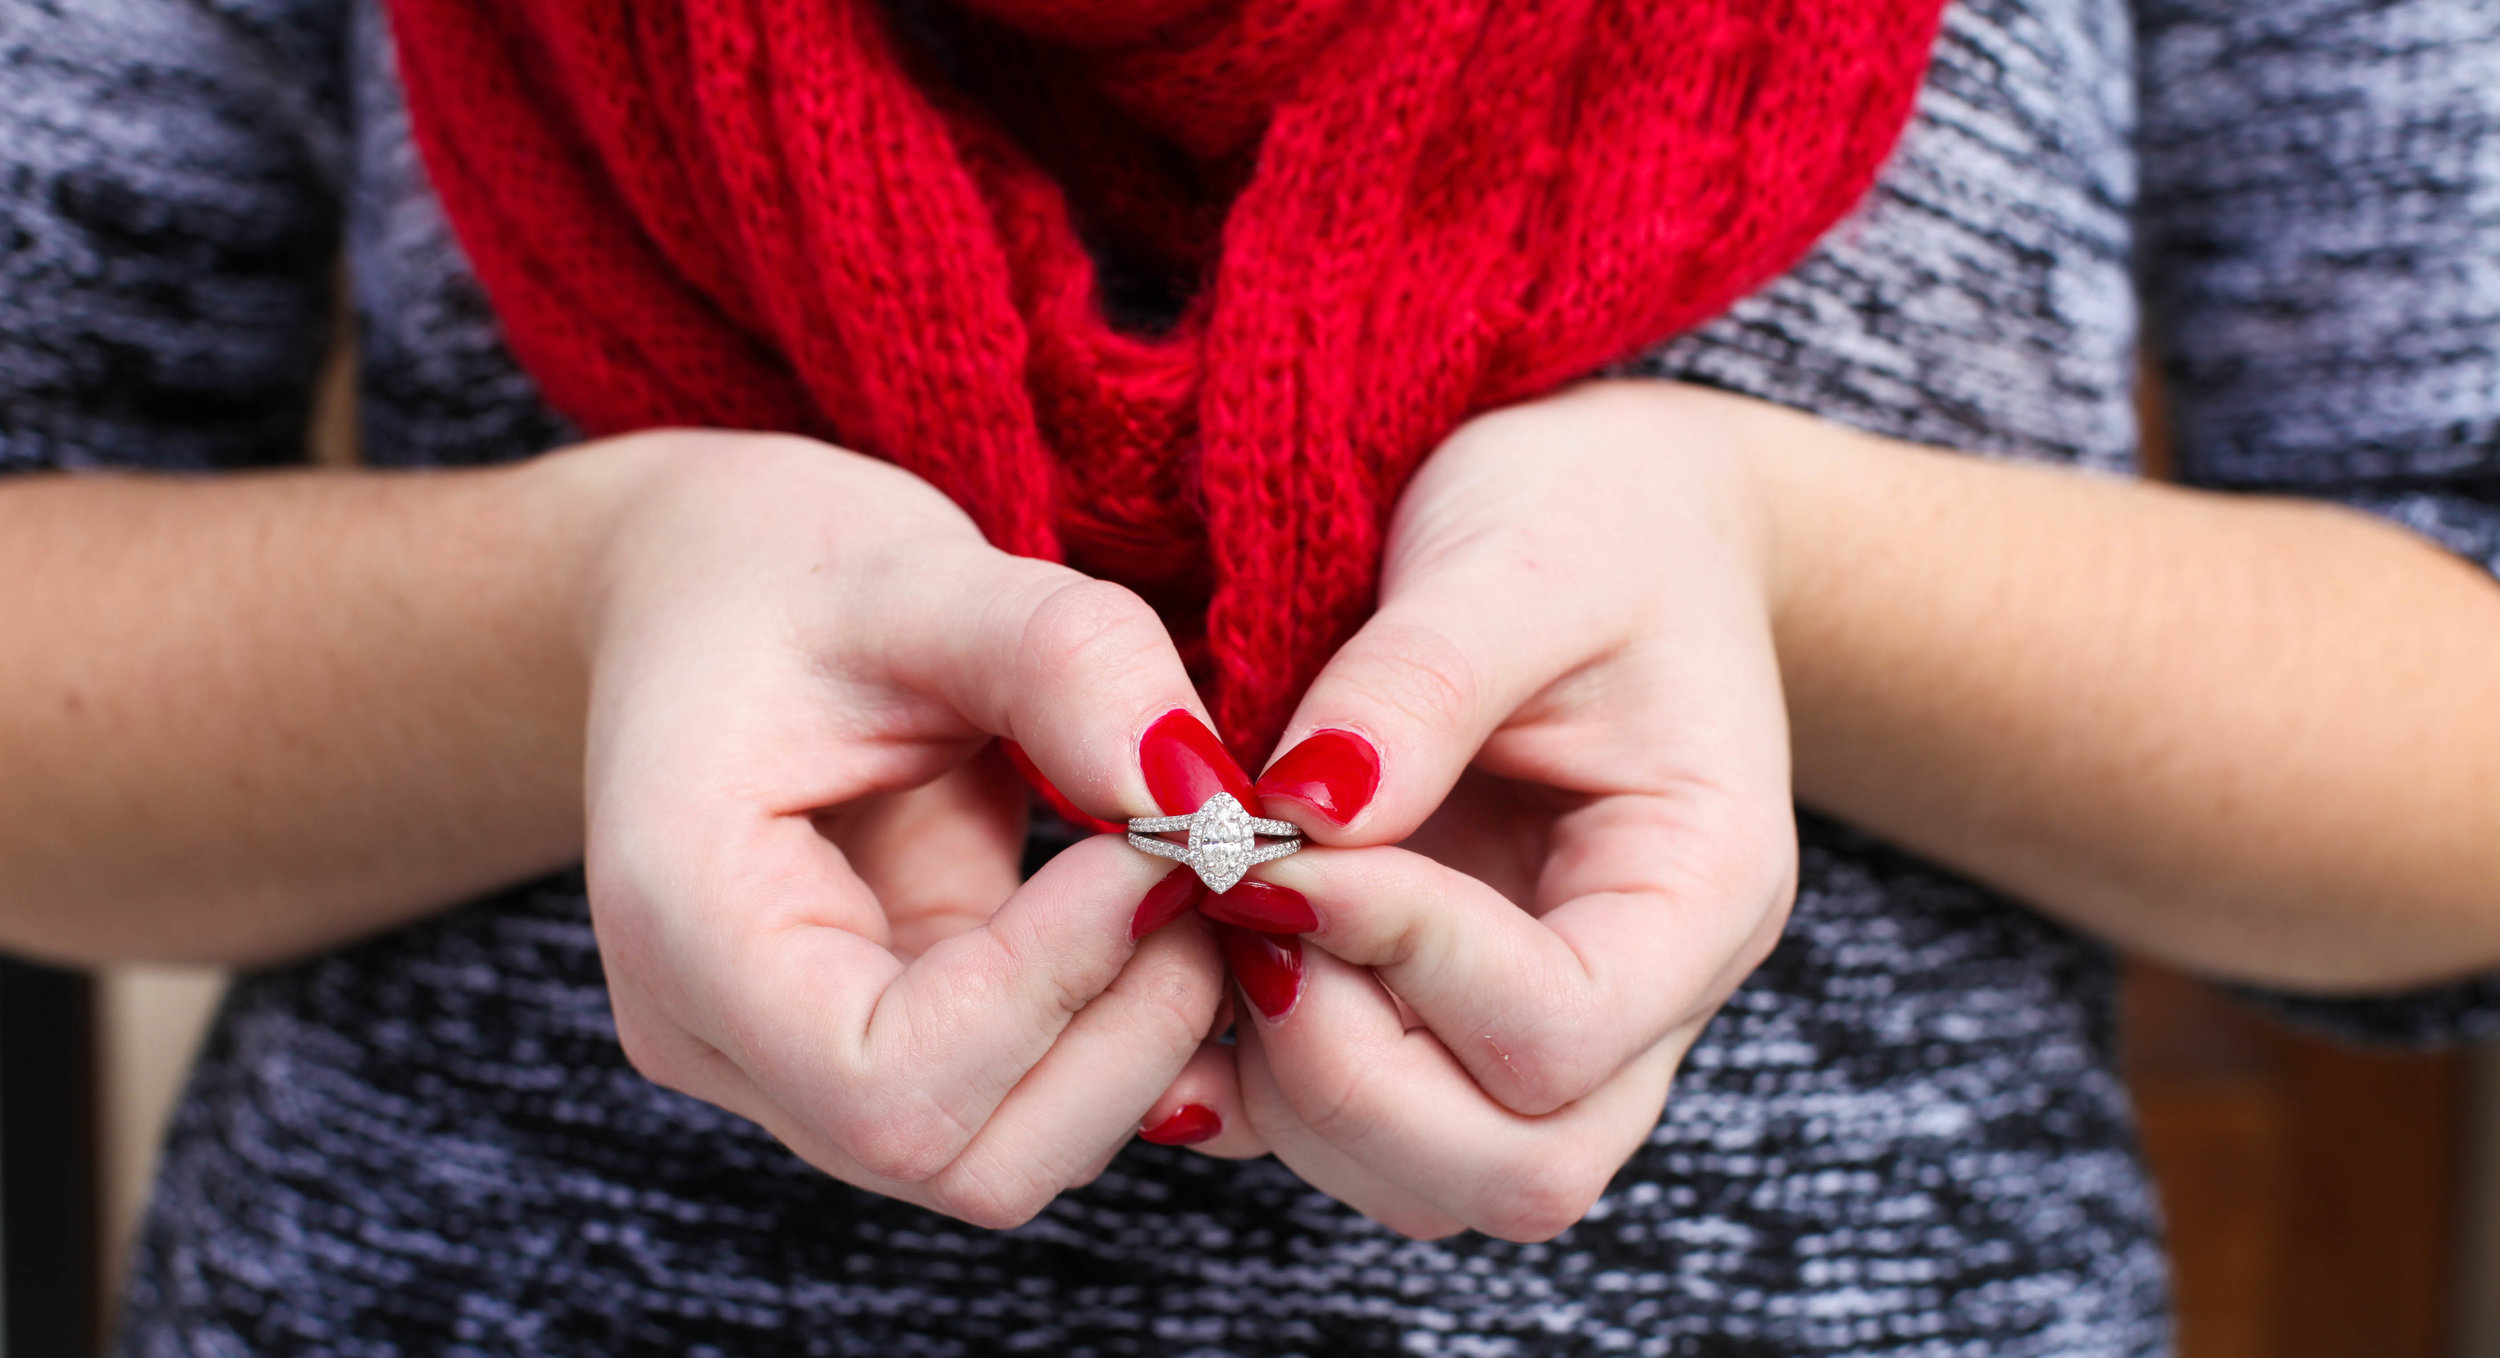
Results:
x,y
1366,219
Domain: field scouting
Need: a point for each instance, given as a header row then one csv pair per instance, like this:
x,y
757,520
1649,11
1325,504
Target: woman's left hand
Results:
x,y
1551,781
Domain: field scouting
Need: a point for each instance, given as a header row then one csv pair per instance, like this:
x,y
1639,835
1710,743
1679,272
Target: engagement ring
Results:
x,y
1223,840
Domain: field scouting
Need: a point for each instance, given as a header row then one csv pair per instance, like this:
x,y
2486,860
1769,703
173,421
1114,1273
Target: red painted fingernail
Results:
x,y
1264,906
1193,1123
1166,901
1335,772
1185,764
1269,967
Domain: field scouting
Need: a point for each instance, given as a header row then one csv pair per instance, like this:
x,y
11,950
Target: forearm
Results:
x,y
250,716
2259,737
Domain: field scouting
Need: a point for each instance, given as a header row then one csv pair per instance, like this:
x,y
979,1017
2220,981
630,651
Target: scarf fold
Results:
x,y
1381,216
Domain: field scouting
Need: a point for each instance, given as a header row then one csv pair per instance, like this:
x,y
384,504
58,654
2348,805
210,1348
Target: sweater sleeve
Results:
x,y
169,174
2320,226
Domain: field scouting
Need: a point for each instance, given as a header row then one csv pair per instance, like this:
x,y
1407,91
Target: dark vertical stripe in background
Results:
x,y
48,1188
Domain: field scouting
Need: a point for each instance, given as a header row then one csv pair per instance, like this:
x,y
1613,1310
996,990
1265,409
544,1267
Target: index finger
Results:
x,y
1654,917
1079,673
901,1067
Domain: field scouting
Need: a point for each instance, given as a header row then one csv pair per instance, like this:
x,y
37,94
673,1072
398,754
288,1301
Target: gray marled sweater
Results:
x,y
1903,1136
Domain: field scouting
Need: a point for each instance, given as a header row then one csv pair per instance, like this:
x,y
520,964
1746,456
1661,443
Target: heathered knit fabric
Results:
x,y
1903,1136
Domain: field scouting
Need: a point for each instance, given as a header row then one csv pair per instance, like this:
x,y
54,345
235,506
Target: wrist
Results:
x,y
587,497
686,540
1794,466
644,517
1735,470
1803,486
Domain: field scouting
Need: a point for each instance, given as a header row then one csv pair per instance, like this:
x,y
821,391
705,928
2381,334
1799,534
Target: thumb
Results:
x,y
1077,674
1399,712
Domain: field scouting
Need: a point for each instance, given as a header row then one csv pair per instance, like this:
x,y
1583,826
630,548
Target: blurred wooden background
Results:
x,y
2316,1194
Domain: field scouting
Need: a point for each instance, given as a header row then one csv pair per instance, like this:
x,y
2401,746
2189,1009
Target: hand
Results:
x,y
802,862
1566,715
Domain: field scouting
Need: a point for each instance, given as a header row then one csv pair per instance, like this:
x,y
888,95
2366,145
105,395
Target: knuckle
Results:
x,y
1420,1223
1757,947
1181,1009
1745,852
1333,1100
744,1034
1540,1198
1539,1080
1170,1003
1420,673
910,1144
1019,956
652,1055
1780,893
1089,627
992,1200
1409,938
1748,877
1562,1056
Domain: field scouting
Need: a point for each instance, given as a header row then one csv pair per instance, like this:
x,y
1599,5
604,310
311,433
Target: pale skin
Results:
x,y
2253,737
253,718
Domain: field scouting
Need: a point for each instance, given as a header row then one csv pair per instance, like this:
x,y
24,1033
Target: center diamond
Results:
x,y
1220,840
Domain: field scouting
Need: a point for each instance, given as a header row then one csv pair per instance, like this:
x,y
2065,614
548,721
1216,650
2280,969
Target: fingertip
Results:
x,y
1268,966
1076,671
1203,1109
1262,906
1185,763
1168,899
1100,891
1187,1125
1333,771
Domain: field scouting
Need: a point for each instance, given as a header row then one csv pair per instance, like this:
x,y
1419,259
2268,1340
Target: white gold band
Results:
x,y
1164,825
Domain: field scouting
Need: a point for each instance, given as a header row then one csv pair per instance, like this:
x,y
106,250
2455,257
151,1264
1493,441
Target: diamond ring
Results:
x,y
1223,840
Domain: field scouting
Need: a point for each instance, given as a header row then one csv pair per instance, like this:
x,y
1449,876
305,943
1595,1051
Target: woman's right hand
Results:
x,y
797,650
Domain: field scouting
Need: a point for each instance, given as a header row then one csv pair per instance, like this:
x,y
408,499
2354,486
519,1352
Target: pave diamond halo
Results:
x,y
1223,840
1220,841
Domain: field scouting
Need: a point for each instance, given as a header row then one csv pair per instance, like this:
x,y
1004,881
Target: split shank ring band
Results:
x,y
1223,841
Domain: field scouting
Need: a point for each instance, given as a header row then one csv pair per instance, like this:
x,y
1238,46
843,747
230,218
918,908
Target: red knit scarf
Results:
x,y
1387,215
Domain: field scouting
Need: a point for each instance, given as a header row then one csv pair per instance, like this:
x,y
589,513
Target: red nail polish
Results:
x,y
1193,1123
1185,764
1166,901
1264,906
1269,967
1335,772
